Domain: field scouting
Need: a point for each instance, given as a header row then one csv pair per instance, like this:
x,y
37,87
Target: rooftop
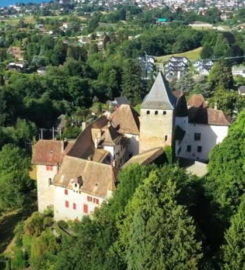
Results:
x,y
160,96
50,152
146,157
96,178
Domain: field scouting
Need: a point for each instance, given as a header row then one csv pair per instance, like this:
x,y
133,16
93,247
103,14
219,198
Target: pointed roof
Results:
x,y
160,96
126,120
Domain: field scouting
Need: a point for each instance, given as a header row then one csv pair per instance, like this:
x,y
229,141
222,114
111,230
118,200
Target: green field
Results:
x,y
191,55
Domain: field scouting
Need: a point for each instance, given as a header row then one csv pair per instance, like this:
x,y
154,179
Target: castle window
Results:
x,y
66,192
164,112
49,168
188,148
166,138
197,136
50,181
74,206
148,112
199,149
85,208
96,201
66,204
156,112
89,198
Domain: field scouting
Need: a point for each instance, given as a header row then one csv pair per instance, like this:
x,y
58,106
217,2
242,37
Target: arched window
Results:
x,y
156,112
164,112
148,112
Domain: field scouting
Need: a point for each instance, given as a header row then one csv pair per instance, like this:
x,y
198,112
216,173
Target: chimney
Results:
x,y
64,144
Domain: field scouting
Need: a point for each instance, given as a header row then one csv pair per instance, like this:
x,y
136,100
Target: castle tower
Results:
x,y
157,116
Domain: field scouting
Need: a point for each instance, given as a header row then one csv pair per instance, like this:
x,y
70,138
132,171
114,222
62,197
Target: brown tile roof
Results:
x,y
84,146
126,119
146,157
99,155
49,152
197,101
208,116
97,178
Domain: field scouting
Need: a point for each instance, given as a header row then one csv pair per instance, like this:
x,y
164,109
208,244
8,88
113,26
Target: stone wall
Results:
x,y
156,128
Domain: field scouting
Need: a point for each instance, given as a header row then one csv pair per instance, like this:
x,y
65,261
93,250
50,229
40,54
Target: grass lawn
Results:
x,y
192,55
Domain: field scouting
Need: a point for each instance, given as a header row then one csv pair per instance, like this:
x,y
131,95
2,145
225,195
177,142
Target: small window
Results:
x,y
50,181
89,198
166,138
74,206
49,168
66,192
66,204
148,112
164,112
85,209
156,112
188,148
96,201
199,149
197,136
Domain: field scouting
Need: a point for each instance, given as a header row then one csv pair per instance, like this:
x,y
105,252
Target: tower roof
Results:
x,y
160,96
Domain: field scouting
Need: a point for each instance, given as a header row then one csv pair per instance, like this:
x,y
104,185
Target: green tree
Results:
x,y
220,76
131,82
157,233
15,183
234,248
225,181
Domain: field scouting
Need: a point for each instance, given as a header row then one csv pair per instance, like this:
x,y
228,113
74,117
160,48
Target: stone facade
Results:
x,y
156,128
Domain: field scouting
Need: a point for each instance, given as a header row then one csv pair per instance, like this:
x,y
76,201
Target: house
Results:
x,y
198,128
147,66
176,68
203,67
81,186
238,71
75,178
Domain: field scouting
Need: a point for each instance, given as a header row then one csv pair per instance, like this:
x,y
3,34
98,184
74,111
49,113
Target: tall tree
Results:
x,y
220,76
131,82
234,248
157,233
225,180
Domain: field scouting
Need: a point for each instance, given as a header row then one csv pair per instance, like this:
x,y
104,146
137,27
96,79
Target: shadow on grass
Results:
x,y
8,223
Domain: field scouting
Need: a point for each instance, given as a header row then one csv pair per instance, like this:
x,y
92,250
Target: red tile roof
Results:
x,y
49,152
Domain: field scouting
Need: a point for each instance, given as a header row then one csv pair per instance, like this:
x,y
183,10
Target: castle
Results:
x,y
75,178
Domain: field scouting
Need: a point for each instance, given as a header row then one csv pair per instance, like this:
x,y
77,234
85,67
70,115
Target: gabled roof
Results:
x,y
207,116
50,152
146,157
84,146
97,178
160,97
126,120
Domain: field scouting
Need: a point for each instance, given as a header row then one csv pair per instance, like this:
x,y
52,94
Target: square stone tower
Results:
x,y
157,116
